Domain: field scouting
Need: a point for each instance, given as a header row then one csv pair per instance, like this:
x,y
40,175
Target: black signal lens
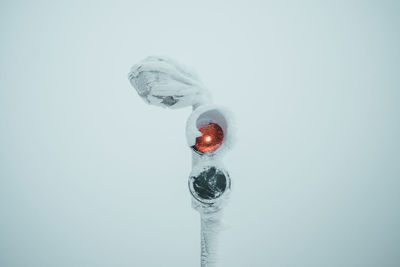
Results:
x,y
209,184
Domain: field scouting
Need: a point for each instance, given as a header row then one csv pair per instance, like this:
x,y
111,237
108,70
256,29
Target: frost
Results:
x,y
163,82
210,227
211,183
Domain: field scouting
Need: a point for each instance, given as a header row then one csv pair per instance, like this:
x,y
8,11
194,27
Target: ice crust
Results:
x,y
163,82
210,227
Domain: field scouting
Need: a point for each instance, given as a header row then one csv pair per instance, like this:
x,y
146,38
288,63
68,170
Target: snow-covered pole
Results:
x,y
163,82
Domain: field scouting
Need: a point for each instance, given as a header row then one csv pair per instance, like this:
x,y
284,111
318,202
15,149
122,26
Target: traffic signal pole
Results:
x,y
163,82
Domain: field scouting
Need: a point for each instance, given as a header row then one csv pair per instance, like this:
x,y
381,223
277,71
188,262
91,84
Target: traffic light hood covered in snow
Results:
x,y
163,82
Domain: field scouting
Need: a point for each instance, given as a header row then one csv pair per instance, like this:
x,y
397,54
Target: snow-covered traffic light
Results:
x,y
163,82
209,133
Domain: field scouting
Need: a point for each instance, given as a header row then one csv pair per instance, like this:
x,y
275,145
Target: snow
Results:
x,y
163,82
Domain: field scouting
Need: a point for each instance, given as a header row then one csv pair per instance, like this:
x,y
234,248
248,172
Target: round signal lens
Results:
x,y
211,139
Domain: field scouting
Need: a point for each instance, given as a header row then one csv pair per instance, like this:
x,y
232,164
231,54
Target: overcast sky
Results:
x,y
92,176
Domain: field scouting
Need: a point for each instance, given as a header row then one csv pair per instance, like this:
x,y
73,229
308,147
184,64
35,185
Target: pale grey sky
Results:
x,y
92,176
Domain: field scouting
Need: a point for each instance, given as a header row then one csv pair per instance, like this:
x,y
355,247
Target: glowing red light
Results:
x,y
211,139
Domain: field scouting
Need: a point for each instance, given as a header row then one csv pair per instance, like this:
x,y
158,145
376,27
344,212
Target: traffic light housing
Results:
x,y
209,134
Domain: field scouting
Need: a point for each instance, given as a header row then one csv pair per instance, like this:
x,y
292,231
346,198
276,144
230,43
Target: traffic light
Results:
x,y
209,133
163,82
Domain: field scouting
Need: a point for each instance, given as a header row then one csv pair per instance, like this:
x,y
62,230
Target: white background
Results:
x,y
92,176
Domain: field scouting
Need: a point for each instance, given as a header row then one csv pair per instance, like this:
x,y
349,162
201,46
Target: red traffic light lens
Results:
x,y
211,139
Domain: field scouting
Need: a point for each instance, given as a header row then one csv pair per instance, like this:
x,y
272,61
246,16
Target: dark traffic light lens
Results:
x,y
209,184
211,139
